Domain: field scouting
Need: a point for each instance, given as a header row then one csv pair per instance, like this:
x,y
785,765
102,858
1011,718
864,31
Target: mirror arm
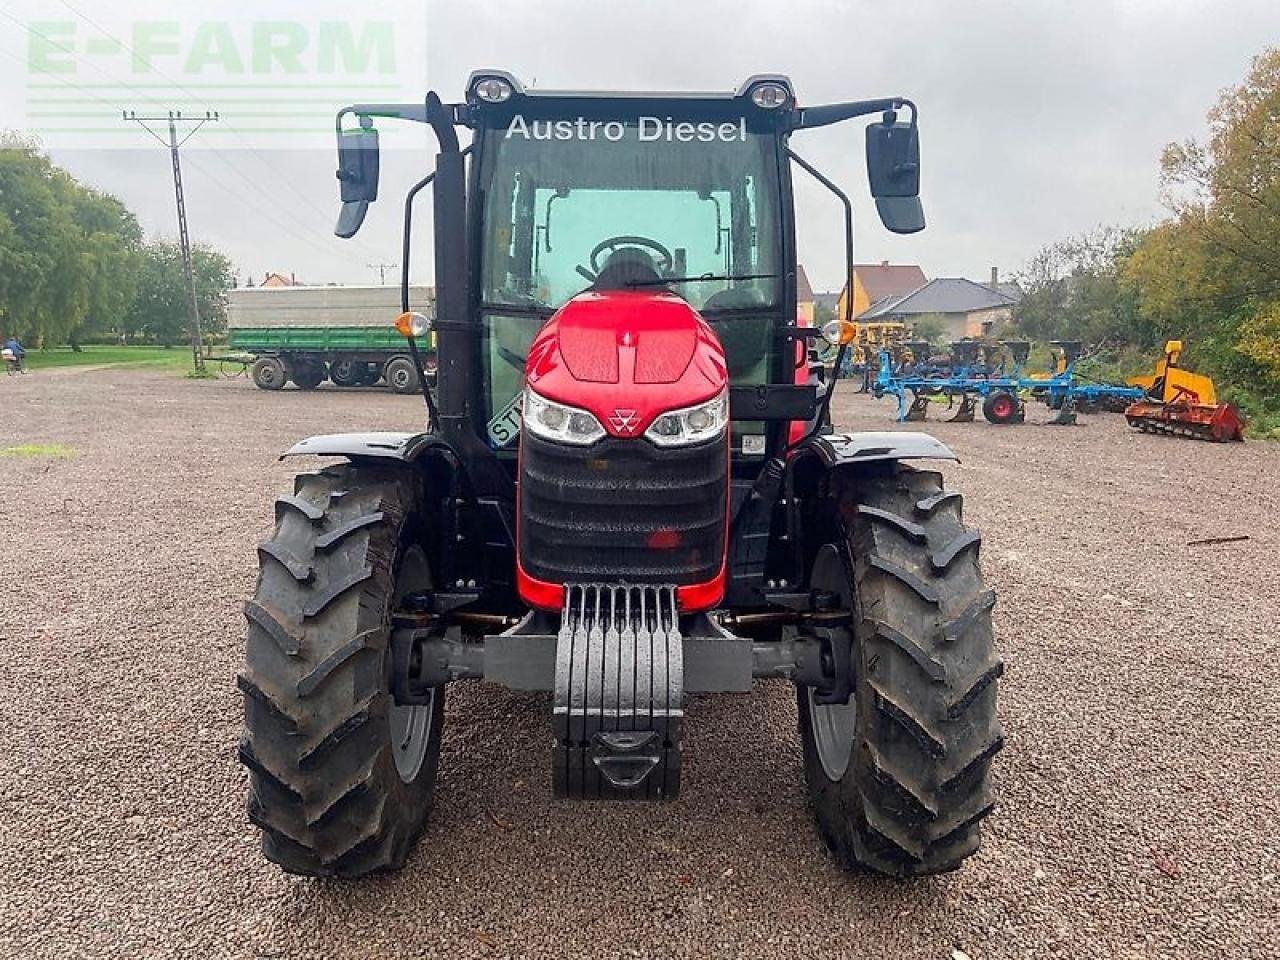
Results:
x,y
848,300
406,249
806,118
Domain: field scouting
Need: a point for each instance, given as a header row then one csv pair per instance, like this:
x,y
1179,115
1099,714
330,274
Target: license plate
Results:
x,y
504,428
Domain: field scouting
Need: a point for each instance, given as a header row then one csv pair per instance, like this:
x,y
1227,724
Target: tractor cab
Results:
x,y
632,201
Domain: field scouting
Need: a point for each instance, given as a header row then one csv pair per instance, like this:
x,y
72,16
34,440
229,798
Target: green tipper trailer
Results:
x,y
306,335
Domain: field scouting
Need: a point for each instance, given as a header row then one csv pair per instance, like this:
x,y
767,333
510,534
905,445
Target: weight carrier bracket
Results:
x,y
619,693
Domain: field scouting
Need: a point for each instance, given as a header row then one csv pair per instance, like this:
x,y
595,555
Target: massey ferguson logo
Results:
x,y
624,421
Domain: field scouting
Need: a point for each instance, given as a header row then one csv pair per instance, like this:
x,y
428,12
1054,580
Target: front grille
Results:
x,y
622,511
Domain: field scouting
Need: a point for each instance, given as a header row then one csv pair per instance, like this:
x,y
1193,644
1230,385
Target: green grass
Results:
x,y
175,358
54,451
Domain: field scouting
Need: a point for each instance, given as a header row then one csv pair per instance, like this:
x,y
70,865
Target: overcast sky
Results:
x,y
1039,119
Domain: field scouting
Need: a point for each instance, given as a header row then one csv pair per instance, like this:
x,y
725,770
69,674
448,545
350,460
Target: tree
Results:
x,y
823,314
1073,289
67,252
931,327
162,311
1228,190
1215,267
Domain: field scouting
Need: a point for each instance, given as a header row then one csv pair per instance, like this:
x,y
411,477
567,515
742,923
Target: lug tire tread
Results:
x,y
918,781
323,784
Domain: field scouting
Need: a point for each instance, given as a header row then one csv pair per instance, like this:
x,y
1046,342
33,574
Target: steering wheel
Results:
x,y
613,243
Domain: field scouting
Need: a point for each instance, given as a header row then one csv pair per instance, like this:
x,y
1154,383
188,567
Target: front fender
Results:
x,y
403,447
841,449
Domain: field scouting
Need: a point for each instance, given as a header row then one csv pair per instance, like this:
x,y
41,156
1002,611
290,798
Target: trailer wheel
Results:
x,y
401,375
1001,407
269,374
345,373
898,777
308,376
341,777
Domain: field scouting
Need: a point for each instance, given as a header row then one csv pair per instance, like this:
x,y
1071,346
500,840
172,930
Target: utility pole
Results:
x,y
382,269
184,238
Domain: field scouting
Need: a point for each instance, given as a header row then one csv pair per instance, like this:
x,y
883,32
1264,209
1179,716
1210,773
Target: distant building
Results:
x,y
280,280
804,296
874,282
968,308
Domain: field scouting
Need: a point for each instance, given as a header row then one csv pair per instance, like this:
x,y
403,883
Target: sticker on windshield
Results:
x,y
505,425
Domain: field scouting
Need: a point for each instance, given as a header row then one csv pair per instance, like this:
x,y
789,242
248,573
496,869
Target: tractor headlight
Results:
x,y
554,421
682,428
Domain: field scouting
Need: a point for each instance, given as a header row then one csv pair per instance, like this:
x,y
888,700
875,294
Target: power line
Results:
x,y
151,68
184,238
233,167
382,269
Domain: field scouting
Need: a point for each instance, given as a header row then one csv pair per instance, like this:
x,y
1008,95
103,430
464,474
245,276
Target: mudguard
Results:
x,y
404,447
842,449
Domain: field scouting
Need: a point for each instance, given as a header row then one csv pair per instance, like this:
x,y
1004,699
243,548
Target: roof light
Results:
x,y
769,95
492,89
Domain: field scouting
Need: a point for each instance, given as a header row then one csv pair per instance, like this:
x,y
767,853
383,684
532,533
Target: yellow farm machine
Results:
x,y
1181,403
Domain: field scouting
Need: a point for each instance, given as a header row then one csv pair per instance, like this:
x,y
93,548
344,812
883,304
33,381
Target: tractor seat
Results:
x,y
625,268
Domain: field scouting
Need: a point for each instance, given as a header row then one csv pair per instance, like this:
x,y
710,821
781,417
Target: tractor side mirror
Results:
x,y
893,167
358,165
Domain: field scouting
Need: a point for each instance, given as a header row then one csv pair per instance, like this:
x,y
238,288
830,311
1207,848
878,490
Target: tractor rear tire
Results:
x,y
341,777
401,375
269,374
899,778
1001,407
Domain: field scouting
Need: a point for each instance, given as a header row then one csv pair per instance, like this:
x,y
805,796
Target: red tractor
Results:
x,y
628,490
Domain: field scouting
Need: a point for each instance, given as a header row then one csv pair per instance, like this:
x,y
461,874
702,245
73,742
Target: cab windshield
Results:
x,y
689,199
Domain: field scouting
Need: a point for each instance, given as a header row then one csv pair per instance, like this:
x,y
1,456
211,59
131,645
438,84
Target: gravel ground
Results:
x,y
1139,812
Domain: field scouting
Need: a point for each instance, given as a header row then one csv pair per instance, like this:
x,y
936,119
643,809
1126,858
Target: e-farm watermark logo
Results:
x,y
268,81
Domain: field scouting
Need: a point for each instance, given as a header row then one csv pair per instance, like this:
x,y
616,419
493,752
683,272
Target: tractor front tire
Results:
x,y
899,778
341,777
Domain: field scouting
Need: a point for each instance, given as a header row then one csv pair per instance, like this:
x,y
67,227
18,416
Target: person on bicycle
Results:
x,y
14,349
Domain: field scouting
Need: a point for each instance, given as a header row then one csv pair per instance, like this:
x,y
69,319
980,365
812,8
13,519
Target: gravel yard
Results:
x,y
1139,789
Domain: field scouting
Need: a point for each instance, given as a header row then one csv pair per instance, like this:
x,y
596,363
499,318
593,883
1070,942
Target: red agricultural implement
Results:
x,y
1183,404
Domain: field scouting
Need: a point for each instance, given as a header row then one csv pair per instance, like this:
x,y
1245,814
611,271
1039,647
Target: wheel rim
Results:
x,y
400,377
410,725
834,725
1002,407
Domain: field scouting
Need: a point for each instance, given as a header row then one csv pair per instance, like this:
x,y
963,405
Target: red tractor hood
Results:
x,y
627,357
